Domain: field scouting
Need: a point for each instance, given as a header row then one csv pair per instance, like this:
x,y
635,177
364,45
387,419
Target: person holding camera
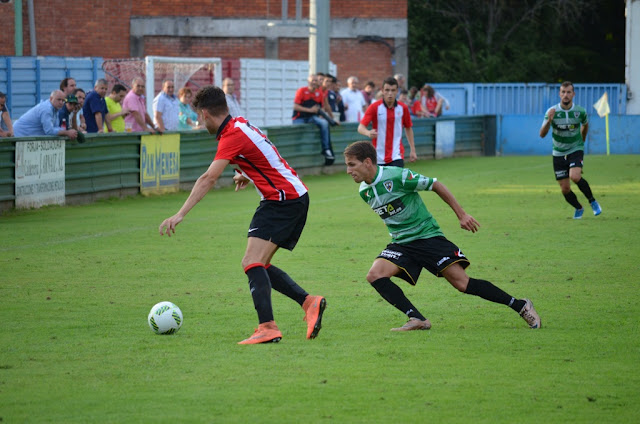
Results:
x,y
308,103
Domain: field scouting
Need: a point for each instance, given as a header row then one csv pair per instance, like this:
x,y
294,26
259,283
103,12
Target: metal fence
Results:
x,y
524,98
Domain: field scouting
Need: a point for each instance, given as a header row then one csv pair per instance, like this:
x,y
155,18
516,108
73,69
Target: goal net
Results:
x,y
183,71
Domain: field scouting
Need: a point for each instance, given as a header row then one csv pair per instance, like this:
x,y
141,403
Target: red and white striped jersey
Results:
x,y
247,147
388,122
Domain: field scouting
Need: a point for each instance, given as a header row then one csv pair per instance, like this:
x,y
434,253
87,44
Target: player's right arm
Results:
x,y
200,189
547,122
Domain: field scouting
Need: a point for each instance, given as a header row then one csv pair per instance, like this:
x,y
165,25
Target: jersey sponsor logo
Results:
x,y
388,185
390,209
441,261
566,127
391,254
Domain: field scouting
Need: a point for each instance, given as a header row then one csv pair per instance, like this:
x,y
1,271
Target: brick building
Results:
x,y
368,38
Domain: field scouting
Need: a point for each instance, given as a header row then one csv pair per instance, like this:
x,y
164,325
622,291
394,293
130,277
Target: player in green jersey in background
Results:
x,y
570,125
416,239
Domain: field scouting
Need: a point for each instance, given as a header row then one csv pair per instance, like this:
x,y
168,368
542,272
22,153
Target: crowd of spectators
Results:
x,y
323,102
70,111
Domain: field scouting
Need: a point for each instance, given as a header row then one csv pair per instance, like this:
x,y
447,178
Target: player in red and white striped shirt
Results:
x,y
278,221
388,117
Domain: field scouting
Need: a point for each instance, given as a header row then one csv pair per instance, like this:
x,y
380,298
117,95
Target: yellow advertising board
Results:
x,y
159,163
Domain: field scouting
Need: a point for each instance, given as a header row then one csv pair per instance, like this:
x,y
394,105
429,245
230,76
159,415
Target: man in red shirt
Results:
x,y
307,104
388,117
278,221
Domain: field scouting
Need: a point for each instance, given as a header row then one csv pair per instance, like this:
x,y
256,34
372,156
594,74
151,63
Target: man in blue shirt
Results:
x,y
95,108
42,119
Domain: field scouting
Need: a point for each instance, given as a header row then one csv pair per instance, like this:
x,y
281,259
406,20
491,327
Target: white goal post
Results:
x,y
180,69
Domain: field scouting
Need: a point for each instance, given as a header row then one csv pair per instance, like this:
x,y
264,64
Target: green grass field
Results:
x,y
77,284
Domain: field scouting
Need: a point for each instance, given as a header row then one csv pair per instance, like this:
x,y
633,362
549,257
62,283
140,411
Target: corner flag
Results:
x,y
602,107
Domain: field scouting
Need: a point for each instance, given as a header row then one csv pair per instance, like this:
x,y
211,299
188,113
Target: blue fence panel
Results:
x,y
526,98
28,80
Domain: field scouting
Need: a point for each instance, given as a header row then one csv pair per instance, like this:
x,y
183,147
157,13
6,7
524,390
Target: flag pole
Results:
x,y
606,120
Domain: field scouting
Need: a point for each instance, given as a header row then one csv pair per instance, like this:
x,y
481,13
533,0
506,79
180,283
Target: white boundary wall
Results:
x,y
268,86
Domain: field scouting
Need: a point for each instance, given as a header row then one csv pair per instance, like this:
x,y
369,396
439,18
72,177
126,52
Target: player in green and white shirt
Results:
x,y
569,124
416,239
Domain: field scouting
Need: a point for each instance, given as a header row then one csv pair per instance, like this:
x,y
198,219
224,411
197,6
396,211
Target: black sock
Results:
x,y
261,292
572,200
281,282
395,296
584,187
488,291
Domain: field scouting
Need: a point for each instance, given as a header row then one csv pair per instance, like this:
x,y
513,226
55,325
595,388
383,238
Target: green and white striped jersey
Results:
x,y
565,129
393,195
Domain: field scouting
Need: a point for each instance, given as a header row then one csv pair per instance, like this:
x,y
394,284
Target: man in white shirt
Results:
x,y
166,108
354,102
229,87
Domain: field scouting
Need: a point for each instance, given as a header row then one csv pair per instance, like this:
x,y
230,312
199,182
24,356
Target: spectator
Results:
x,y
68,86
229,88
166,108
388,117
116,111
77,119
333,98
307,104
354,102
138,119
429,105
95,108
6,127
65,114
42,119
369,92
401,82
404,97
413,95
188,118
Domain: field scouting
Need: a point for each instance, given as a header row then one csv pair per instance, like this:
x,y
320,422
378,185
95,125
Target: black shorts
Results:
x,y
398,162
562,164
280,222
434,254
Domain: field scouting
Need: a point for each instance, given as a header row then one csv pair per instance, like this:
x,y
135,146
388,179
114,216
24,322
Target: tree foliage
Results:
x,y
516,40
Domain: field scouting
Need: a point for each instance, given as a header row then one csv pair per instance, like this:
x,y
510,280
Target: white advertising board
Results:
x,y
40,173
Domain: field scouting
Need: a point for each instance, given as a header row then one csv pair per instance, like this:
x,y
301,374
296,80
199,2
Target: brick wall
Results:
x,y
98,28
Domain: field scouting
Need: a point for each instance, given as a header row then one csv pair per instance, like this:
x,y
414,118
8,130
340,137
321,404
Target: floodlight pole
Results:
x,y
319,36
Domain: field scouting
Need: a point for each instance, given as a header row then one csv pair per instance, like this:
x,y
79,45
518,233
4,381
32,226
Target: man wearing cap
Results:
x,y
66,113
42,119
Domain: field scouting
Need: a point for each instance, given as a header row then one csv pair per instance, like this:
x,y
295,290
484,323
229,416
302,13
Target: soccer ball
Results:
x,y
165,318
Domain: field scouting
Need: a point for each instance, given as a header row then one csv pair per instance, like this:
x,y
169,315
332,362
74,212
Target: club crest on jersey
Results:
x,y
576,115
388,185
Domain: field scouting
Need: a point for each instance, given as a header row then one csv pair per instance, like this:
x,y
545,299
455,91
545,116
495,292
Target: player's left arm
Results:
x,y
584,129
413,156
467,222
200,189
408,129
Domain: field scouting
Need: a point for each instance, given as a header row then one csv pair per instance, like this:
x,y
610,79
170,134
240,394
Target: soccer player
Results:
x,y
416,239
570,124
388,117
278,221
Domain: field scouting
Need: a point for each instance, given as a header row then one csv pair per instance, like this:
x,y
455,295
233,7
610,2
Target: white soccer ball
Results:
x,y
165,318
